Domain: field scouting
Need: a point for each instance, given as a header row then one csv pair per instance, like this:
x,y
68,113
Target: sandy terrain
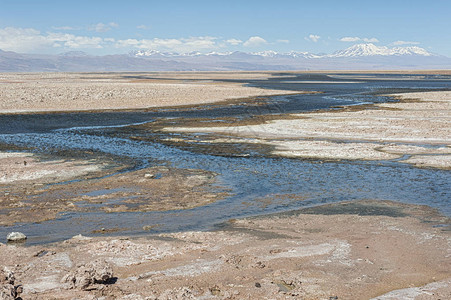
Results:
x,y
389,251
418,127
76,92
20,167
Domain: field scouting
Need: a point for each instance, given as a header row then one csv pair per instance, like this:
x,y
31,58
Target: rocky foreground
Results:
x,y
362,250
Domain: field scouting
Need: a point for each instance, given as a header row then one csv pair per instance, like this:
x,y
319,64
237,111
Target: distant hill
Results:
x,y
357,57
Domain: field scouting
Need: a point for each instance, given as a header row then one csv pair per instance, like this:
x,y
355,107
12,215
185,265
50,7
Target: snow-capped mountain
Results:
x,y
149,53
268,53
214,53
192,53
292,54
297,54
413,50
357,57
373,50
359,50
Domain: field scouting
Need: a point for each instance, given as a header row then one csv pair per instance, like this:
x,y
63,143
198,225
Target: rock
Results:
x,y
85,276
80,237
7,288
215,291
7,292
6,276
149,175
197,180
182,293
16,237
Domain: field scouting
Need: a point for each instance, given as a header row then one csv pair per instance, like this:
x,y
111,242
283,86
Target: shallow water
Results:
x,y
258,184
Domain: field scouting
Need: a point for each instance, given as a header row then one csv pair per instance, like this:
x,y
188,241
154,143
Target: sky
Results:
x,y
116,27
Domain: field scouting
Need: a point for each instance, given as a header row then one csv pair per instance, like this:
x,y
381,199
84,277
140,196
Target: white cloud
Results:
x,y
255,41
100,27
400,43
197,43
283,41
350,39
73,41
313,37
128,43
32,40
182,45
357,39
234,42
29,39
22,39
371,40
144,27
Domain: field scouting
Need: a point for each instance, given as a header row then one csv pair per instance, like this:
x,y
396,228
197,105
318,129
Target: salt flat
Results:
x,y
50,92
377,132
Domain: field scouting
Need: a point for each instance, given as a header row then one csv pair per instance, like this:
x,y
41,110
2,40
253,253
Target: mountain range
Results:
x,y
357,57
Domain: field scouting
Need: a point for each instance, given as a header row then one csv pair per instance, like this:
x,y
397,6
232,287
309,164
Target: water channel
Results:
x,y
248,174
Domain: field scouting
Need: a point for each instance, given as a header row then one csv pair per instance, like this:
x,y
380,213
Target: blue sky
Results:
x,y
110,27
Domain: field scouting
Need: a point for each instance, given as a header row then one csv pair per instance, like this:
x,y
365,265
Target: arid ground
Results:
x,y
350,250
50,92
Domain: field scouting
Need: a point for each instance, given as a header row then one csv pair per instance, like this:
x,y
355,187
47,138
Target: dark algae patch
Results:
x,y
381,208
360,208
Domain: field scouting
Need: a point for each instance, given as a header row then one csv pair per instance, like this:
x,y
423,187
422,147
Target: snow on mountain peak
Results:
x,y
372,50
358,50
413,50
144,52
148,53
268,53
297,54
192,53
214,53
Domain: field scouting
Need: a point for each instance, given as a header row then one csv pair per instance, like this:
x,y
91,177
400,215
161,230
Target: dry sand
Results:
x,y
47,92
329,252
419,127
20,167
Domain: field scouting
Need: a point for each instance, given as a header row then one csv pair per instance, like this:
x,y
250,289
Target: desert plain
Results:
x,y
349,250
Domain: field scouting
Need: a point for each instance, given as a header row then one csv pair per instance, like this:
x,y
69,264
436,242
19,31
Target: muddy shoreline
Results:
x,y
351,250
37,189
